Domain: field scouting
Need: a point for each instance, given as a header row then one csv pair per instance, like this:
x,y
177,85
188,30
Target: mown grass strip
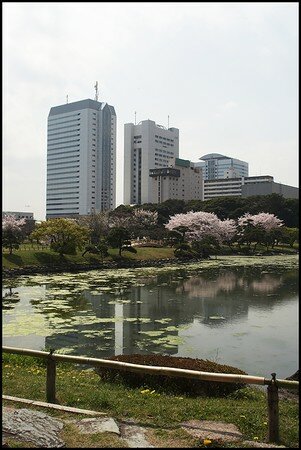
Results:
x,y
247,409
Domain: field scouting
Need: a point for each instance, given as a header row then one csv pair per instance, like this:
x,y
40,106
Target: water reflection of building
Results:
x,y
89,338
149,302
146,318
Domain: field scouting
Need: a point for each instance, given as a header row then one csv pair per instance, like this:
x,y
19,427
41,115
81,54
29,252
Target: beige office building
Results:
x,y
146,146
181,180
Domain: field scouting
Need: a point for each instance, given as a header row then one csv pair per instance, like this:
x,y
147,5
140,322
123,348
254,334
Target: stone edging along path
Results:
x,y
44,431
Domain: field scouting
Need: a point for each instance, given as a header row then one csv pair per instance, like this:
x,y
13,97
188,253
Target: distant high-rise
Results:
x,y
146,146
216,166
81,159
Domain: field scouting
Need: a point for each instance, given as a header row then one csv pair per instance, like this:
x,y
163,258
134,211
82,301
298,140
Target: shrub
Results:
x,y
184,250
173,384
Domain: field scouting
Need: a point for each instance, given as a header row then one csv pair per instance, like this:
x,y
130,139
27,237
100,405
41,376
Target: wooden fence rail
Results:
x,y
272,390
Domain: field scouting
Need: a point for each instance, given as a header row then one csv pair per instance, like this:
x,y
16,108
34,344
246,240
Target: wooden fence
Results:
x,y
272,384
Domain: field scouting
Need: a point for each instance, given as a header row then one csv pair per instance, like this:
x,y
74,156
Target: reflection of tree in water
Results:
x,y
229,282
266,285
10,298
198,286
62,306
181,297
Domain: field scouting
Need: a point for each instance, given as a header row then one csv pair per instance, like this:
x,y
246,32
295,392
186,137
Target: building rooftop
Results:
x,y
81,104
182,162
214,156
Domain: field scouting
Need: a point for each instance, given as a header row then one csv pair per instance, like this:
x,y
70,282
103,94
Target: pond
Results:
x,y
240,311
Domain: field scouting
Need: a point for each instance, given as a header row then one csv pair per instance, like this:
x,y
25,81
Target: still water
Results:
x,y
243,313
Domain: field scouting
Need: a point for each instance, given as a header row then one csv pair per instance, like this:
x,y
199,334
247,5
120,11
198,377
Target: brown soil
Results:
x,y
287,394
174,384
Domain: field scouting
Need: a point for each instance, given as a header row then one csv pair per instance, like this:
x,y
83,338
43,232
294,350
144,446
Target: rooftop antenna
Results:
x,y
67,98
135,117
96,91
168,122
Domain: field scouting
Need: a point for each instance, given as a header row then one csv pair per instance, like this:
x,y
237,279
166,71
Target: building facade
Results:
x,y
182,181
81,159
146,146
216,166
19,214
268,187
246,187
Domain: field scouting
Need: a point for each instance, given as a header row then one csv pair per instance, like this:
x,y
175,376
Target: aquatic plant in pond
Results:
x,y
229,304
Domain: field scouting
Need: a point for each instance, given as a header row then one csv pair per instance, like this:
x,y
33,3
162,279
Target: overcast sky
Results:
x,y
225,73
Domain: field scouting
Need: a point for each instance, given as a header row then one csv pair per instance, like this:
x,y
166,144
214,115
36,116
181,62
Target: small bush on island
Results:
x,y
173,384
184,251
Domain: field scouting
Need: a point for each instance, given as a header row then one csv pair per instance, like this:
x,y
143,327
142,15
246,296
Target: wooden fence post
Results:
x,y
50,378
273,411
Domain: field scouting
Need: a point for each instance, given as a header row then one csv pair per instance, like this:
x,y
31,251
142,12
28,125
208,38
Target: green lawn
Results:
x,y
247,408
26,256
33,255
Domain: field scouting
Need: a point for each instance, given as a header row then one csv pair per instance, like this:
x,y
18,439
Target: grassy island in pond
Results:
x,y
34,256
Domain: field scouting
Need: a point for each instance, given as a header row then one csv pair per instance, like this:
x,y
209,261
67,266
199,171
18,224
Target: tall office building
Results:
x,y
216,166
81,159
146,146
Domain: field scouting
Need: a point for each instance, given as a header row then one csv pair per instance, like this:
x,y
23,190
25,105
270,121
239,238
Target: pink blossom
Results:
x,y
200,224
9,222
265,220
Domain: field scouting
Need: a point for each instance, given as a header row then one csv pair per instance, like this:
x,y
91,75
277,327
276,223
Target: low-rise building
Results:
x,y
246,187
267,187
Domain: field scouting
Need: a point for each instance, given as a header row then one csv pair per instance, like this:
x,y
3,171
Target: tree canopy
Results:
x,y
12,234
64,235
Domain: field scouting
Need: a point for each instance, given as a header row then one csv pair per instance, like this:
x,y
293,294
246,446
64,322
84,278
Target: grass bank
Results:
x,y
47,258
29,256
247,408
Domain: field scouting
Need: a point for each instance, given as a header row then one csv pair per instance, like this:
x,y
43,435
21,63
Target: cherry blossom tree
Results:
x,y
12,232
145,218
265,220
97,224
199,225
137,221
258,228
228,230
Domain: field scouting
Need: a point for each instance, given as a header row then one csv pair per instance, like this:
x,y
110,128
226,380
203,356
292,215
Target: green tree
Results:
x,y
205,247
184,250
119,237
100,249
249,233
289,236
181,230
64,235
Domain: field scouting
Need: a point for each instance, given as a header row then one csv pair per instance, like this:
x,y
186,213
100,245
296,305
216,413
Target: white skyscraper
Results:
x,y
146,146
81,159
